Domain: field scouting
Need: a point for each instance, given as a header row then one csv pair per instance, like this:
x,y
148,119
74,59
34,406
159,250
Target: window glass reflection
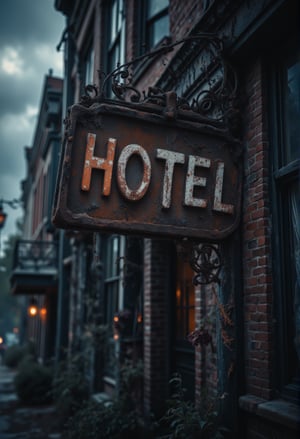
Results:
x,y
293,112
185,300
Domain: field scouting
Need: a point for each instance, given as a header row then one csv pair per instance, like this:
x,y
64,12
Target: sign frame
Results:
x,y
83,120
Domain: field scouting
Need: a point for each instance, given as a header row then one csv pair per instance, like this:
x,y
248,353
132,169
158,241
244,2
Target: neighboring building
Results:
x,y
35,265
238,68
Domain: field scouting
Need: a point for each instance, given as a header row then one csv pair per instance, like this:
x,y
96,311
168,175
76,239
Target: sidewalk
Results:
x,y
7,393
23,422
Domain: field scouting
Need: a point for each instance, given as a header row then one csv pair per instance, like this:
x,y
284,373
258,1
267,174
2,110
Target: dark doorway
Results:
x,y
183,306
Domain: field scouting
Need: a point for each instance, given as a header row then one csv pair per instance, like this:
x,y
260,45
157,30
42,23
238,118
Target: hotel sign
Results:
x,y
132,170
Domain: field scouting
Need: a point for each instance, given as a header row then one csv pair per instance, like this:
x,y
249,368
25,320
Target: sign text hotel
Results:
x,y
136,172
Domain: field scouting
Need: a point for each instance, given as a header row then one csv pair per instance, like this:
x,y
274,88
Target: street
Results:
x,y
23,422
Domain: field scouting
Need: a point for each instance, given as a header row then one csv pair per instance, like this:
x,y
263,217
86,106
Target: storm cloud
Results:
x,y
29,33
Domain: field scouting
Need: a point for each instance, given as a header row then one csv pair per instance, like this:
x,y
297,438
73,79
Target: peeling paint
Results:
x,y
127,152
171,159
92,162
137,173
218,205
192,180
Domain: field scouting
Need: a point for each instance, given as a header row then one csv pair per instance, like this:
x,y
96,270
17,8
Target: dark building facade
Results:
x,y
35,264
252,312
233,331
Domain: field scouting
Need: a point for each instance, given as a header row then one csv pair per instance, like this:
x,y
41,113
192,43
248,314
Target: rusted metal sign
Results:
x,y
134,170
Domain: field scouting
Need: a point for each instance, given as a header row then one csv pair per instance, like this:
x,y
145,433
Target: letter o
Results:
x,y
125,155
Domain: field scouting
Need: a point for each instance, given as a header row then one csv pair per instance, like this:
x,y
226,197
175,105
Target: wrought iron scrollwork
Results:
x,y
204,258
206,261
216,103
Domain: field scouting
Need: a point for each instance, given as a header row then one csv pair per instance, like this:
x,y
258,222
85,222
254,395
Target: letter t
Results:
x,y
171,158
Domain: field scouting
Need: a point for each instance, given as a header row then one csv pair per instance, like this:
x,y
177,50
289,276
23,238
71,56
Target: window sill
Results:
x,y
102,398
110,381
277,411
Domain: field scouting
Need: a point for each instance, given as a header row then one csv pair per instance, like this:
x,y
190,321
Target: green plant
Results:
x,y
33,382
123,322
131,383
183,420
70,385
98,420
16,353
70,388
27,358
115,419
13,355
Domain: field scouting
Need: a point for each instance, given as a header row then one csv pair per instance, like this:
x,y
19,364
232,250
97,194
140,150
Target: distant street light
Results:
x,y
2,216
11,203
33,308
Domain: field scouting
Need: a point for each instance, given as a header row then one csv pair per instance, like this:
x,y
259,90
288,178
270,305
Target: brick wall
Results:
x,y
183,16
131,29
257,241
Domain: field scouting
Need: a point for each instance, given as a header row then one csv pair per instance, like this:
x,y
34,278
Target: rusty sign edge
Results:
x,y
62,217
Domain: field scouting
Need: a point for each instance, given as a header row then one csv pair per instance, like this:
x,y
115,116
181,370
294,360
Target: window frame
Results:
x,y
283,175
88,77
114,279
146,24
182,352
87,53
183,306
119,40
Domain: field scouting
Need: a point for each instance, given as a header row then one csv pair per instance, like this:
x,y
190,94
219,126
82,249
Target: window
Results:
x,y
155,22
292,106
113,285
88,73
115,34
87,58
285,110
113,293
114,42
46,195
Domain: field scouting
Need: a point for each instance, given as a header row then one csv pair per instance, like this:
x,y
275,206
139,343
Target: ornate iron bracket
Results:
x,y
206,261
215,104
204,258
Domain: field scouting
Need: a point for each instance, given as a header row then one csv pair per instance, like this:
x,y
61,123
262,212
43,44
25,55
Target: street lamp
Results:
x,y
33,308
43,313
2,216
13,204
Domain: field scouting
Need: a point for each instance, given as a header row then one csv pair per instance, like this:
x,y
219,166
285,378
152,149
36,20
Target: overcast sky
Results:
x,y
29,33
